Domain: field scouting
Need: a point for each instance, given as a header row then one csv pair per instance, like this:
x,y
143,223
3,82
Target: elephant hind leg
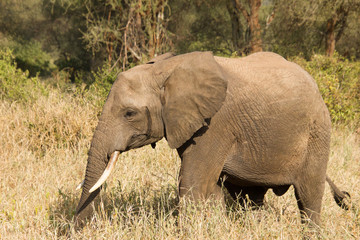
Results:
x,y
309,198
311,177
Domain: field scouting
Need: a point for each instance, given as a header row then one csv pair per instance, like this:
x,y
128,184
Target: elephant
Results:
x,y
252,124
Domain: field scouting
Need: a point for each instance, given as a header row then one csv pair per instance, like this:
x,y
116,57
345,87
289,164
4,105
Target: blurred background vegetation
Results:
x,y
81,45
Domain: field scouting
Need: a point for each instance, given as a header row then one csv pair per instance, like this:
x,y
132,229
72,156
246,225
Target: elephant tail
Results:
x,y
341,198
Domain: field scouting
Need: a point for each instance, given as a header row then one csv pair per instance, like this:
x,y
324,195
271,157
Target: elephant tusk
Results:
x,y
80,185
107,171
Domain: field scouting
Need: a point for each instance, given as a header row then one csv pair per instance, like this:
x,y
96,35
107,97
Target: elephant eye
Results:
x,y
130,113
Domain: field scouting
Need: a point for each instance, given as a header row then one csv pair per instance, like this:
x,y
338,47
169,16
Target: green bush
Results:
x,y
15,84
339,83
30,56
101,85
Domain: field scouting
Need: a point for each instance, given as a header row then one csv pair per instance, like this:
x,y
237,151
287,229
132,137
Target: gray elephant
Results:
x,y
251,123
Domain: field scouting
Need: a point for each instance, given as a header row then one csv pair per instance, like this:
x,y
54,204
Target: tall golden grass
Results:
x,y
43,152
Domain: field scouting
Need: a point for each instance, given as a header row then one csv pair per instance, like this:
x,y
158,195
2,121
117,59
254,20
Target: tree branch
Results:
x,y
134,54
242,9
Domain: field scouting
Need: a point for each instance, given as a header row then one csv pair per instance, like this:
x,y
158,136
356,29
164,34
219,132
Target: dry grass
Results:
x,y
43,151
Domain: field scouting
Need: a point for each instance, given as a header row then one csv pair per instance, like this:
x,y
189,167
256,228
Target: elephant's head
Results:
x,y
170,96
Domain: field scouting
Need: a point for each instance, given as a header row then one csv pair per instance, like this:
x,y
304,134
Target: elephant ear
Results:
x,y
194,92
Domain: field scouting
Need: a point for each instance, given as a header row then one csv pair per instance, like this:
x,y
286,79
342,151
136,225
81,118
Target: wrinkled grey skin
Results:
x,y
256,122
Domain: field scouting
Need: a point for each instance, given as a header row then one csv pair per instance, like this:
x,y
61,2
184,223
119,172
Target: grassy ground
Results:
x,y
43,151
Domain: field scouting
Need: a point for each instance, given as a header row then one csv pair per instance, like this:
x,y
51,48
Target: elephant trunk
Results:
x,y
96,164
106,174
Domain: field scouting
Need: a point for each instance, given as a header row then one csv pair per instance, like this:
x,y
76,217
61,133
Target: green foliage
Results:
x,y
301,27
46,34
30,56
339,83
295,29
16,85
349,43
103,80
205,26
65,25
23,30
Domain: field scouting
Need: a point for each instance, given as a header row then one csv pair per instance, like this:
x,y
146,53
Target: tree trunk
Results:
x,y
330,36
337,21
235,25
255,29
253,25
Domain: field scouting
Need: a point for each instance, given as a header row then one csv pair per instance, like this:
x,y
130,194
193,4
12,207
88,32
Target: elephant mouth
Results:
x,y
110,166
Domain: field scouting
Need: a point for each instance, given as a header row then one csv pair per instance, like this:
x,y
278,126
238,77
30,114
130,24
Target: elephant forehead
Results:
x,y
135,80
134,85
128,84
128,95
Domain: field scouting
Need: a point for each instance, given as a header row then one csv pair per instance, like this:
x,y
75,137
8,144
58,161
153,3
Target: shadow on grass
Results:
x,y
144,201
116,205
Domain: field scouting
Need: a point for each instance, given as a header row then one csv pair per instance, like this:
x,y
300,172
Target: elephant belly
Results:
x,y
253,164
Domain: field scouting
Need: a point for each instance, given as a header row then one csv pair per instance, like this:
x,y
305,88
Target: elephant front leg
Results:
x,y
200,170
199,186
